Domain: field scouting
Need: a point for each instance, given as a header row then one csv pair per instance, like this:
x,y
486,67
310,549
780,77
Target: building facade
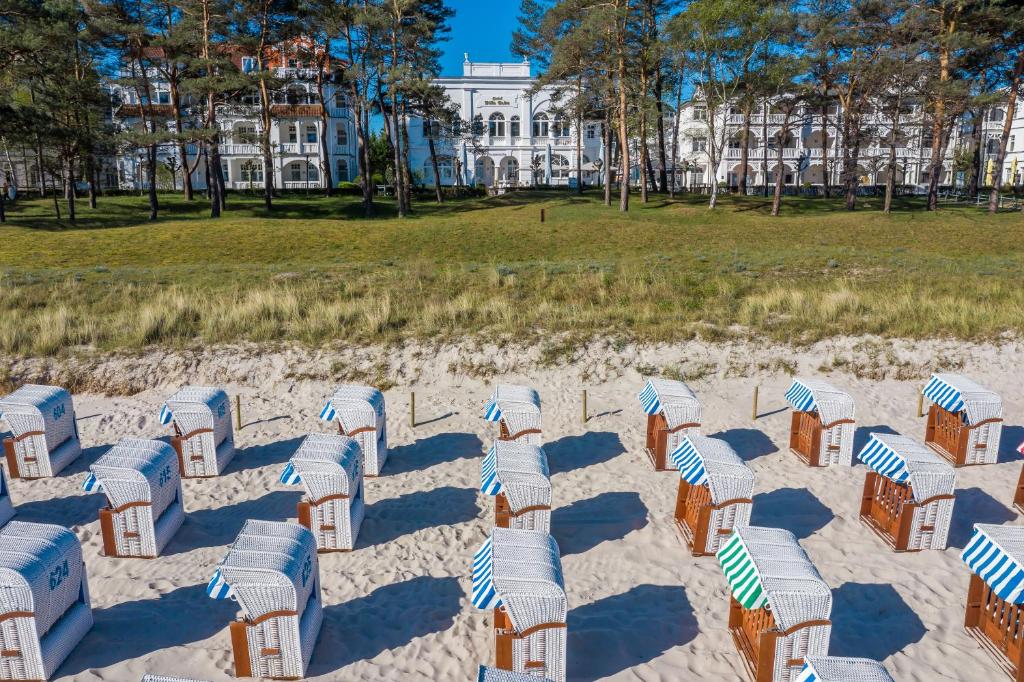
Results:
x,y
515,137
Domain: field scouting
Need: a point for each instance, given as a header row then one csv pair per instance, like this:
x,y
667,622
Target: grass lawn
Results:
x,y
313,271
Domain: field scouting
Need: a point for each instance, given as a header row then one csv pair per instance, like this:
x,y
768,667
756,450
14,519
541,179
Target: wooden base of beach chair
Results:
x,y
177,442
888,508
109,535
304,509
11,455
693,516
239,630
657,440
950,438
755,635
993,623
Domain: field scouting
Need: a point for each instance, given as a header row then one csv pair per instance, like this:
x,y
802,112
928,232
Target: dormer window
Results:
x,y
248,64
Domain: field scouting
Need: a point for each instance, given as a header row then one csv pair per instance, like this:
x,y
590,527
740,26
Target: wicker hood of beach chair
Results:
x,y
518,574
487,674
839,669
271,570
330,468
822,426
361,414
516,475
673,411
44,599
203,432
516,409
141,481
965,420
44,436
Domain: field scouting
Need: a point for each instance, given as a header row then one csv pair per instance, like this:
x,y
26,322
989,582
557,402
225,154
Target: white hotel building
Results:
x,y
517,138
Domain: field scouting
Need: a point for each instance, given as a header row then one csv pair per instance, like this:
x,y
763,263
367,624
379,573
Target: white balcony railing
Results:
x,y
302,184
246,149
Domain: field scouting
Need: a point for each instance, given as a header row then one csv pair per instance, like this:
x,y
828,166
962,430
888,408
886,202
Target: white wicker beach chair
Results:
x,y
822,427
330,468
44,599
837,669
44,433
995,597
716,491
272,571
965,420
908,494
518,574
497,675
780,606
516,474
673,411
203,434
164,678
6,506
517,411
143,487
361,414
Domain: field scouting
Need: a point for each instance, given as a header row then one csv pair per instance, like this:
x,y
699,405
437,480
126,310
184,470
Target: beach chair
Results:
x,y
203,433
1018,497
144,502
164,678
822,426
516,475
44,599
518,574
672,411
272,571
839,669
716,491
361,414
44,436
908,493
995,596
330,468
486,674
6,506
517,411
965,420
779,605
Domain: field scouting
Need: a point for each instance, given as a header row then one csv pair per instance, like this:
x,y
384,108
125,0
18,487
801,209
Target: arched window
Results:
x,y
341,170
496,125
244,134
559,167
252,171
516,128
444,170
300,171
541,126
341,138
540,172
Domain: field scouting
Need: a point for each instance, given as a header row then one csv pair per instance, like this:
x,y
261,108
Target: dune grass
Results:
x,y
314,272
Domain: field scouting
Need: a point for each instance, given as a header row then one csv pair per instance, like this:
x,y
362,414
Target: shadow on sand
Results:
x,y
587,523
390,519
431,451
974,505
749,444
575,452
209,527
872,621
797,510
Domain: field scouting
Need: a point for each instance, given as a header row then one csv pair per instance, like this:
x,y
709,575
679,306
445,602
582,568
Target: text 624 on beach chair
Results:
x,y
361,414
330,468
517,411
672,412
203,435
995,598
780,607
715,492
839,669
143,487
516,474
908,494
498,675
821,430
271,570
44,599
965,420
44,434
518,574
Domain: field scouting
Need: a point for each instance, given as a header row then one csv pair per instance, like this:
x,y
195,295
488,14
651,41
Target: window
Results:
x,y
697,174
541,126
341,170
248,64
559,166
163,97
224,170
444,170
700,114
293,133
561,127
244,134
591,131
496,125
252,171
1009,146
311,133
295,171
341,136
293,63
699,144
515,127
340,100
312,172
992,147
996,115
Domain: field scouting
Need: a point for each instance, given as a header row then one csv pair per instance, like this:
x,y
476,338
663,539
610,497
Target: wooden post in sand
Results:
x,y
542,215
584,406
412,409
753,415
920,405
238,411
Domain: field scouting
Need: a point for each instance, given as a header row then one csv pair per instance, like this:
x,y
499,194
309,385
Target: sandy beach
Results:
x,y
641,607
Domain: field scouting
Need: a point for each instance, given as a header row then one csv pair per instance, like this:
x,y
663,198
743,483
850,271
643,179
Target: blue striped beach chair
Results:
x,y
673,411
995,596
965,420
516,409
516,475
822,427
361,414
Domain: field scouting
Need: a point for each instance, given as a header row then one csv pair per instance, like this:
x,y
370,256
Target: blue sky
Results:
x,y
483,28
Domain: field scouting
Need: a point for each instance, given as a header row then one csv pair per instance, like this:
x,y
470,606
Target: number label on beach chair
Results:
x,y
58,574
59,411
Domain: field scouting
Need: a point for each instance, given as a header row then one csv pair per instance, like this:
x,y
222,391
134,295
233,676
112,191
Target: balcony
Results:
x,y
230,149
302,184
300,148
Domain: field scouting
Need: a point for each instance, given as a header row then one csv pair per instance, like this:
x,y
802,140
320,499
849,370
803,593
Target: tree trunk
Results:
x,y
779,176
973,186
744,150
70,188
675,135
659,85
186,172
608,176
623,139
154,202
764,143
852,179
327,172
826,173
1011,111
890,180
403,131
938,125
434,166
266,150
90,173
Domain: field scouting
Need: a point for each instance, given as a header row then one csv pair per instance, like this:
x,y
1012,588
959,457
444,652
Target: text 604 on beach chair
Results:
x,y
361,414
498,675
516,474
330,468
839,669
203,435
780,607
517,411
518,574
144,502
995,598
965,420
821,430
908,494
715,492
44,434
44,599
672,412
271,570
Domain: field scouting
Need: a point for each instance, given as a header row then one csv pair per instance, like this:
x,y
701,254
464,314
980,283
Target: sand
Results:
x,y
641,607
